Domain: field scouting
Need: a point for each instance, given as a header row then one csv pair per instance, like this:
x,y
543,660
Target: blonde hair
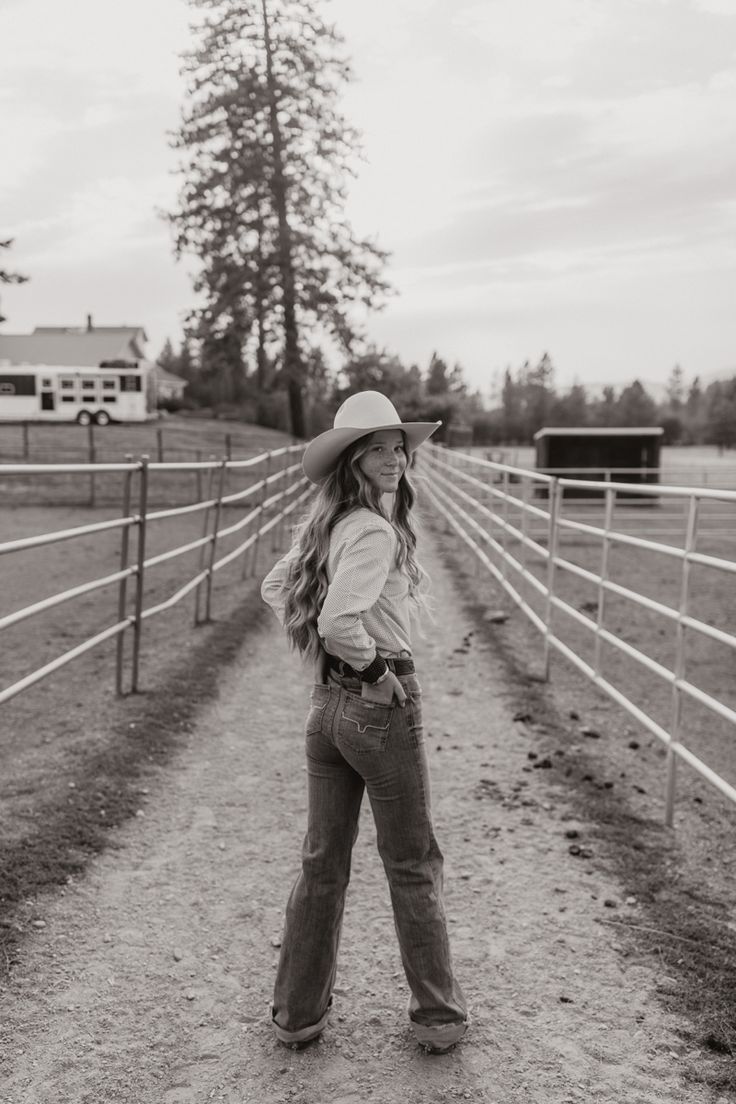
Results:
x,y
345,489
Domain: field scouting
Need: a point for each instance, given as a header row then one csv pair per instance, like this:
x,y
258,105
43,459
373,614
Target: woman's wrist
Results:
x,y
376,670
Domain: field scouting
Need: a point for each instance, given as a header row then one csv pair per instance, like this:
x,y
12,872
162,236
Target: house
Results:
x,y
87,346
169,388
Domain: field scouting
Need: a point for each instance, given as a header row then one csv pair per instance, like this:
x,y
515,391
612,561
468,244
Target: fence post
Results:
x,y
504,534
91,459
203,549
607,525
213,544
198,476
26,442
122,590
279,529
138,623
690,542
553,533
228,446
160,445
259,517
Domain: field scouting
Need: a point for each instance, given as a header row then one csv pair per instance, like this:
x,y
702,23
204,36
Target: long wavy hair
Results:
x,y
345,489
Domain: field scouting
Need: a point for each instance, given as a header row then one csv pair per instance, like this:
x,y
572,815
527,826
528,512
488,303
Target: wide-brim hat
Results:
x,y
361,414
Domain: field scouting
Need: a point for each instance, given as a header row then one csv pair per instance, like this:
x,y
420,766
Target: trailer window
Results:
x,y
7,388
67,398
67,384
88,385
46,383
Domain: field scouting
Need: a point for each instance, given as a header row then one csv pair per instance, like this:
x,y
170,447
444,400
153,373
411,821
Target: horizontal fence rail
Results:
x,y
516,521
276,488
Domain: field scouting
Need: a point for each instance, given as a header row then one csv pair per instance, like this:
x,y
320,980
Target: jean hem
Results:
x,y
304,1034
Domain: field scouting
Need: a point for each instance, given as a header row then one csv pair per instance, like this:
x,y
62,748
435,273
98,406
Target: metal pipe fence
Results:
x,y
524,527
269,498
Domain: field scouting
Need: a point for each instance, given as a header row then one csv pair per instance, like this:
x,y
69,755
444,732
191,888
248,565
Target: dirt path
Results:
x,y
150,978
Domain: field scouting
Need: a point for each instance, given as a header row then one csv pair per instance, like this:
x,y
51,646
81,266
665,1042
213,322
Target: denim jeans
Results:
x,y
355,745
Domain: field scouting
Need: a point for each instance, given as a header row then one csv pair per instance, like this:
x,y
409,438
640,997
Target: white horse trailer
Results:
x,y
116,391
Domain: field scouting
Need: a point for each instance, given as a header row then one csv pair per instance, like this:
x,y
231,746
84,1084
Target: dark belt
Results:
x,y
398,666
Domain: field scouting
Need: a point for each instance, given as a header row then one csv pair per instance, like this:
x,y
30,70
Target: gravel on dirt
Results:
x,y
149,981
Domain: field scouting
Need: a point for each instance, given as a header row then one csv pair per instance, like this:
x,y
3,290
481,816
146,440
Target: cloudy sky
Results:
x,y
551,175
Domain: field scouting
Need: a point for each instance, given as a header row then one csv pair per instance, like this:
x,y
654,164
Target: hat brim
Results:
x,y
320,455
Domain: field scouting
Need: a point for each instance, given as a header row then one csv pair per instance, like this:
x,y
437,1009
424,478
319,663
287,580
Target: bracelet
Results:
x,y
383,677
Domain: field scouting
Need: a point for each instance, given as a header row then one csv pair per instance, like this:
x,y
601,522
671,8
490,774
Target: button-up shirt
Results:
x,y
366,610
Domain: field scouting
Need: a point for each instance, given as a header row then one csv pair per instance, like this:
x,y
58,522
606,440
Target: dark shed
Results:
x,y
600,453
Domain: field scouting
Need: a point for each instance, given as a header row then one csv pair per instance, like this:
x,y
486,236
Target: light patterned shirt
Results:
x,y
366,610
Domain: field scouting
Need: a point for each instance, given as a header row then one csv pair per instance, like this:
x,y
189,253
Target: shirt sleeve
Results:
x,y
272,587
358,580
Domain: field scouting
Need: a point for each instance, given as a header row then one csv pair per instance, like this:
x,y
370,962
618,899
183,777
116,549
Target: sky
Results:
x,y
548,176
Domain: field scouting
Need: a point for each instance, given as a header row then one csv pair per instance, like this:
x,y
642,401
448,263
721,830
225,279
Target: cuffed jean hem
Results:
x,y
304,1034
441,1037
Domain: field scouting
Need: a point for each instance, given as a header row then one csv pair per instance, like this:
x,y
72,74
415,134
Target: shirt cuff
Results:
x,y
374,670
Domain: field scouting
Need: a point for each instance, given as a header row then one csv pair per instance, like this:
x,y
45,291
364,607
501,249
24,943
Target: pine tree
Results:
x,y
267,154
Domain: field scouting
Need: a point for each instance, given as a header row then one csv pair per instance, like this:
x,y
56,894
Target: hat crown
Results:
x,y
366,410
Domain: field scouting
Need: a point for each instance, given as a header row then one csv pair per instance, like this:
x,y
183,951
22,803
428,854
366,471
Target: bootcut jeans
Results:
x,y
353,745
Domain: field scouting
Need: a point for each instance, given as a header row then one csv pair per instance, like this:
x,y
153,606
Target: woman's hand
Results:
x,y
383,692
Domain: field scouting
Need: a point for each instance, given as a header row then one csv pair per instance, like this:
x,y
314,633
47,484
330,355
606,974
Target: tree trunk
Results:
x,y
292,358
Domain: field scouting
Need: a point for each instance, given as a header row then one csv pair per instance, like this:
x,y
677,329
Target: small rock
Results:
x,y
523,715
591,733
572,833
586,853
610,903
190,995
574,715
566,1000
631,900
633,744
544,764
139,813
177,955
574,849
531,755
276,941
39,924
496,617
107,938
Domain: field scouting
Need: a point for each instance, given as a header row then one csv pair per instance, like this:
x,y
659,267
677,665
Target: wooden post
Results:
x,y
160,445
26,442
138,623
122,588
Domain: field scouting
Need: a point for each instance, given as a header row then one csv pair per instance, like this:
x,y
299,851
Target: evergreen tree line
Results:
x,y
526,401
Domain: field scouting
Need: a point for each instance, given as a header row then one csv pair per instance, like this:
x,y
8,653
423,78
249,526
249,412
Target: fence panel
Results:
x,y
268,498
615,593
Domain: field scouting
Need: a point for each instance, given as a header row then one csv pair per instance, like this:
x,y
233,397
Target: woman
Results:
x,y
345,593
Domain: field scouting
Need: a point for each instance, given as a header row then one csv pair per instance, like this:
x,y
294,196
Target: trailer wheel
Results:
x,y
102,418
84,418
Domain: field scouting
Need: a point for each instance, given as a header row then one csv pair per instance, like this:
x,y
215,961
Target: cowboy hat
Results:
x,y
359,415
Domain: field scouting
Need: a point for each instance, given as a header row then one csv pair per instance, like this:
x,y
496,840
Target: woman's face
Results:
x,y
384,461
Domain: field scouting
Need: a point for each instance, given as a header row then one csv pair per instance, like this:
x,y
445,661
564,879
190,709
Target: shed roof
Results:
x,y
599,431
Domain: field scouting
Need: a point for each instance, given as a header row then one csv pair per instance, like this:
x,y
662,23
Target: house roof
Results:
x,y
599,431
73,346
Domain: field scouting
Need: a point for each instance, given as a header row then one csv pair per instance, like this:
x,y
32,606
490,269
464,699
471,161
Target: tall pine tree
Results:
x,y
266,155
